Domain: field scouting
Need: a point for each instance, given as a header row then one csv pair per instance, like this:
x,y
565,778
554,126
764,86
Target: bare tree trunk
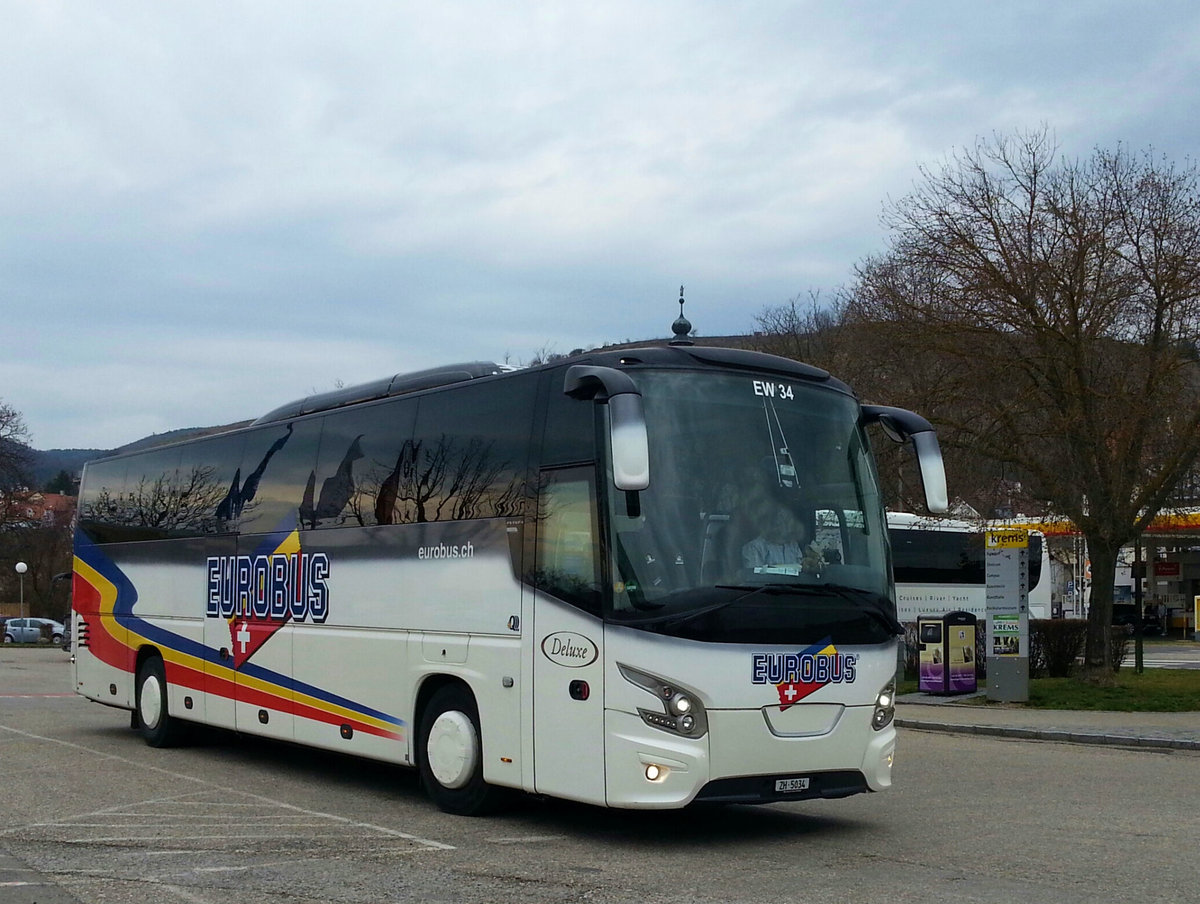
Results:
x,y
1103,555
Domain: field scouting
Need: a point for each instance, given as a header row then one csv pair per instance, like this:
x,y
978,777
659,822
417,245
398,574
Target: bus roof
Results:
x,y
654,356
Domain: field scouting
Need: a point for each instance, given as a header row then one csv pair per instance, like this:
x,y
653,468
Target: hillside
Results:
x,y
48,462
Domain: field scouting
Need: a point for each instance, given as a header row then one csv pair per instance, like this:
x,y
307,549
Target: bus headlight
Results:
x,y
885,706
681,704
680,712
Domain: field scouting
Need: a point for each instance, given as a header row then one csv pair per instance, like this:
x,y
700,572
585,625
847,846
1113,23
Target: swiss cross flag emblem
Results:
x,y
791,692
248,631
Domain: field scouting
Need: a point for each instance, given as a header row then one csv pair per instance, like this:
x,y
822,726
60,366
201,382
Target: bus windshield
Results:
x,y
762,522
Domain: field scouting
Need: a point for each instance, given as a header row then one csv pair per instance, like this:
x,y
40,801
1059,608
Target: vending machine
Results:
x,y
947,648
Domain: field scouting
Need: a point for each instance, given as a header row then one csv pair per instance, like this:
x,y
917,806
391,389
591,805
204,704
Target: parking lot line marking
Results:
x,y
104,839
186,895
316,814
526,839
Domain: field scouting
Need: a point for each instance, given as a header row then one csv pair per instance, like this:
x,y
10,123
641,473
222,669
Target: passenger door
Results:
x,y
568,655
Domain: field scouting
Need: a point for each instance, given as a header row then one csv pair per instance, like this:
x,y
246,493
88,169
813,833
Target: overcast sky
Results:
x,y
209,209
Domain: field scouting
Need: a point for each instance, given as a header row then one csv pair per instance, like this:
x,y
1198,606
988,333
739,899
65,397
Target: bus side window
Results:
x,y
101,501
278,477
470,449
567,554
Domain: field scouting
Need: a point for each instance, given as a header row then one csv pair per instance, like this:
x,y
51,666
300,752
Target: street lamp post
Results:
x,y
21,569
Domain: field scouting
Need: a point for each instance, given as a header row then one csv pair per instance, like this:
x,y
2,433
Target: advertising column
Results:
x,y
1007,565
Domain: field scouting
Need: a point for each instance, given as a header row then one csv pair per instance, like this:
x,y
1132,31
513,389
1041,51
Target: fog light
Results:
x,y
656,773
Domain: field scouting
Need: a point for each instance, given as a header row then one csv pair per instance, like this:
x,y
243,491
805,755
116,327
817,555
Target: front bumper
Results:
x,y
741,758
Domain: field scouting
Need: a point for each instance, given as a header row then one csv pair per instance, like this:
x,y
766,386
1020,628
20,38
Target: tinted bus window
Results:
x,y
150,504
566,553
937,557
277,477
156,495
364,456
469,452
210,467
570,434
103,488
1035,560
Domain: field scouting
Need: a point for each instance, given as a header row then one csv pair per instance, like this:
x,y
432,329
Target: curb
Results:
x,y
1060,736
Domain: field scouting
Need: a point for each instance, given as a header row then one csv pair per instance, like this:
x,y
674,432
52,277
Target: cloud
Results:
x,y
368,188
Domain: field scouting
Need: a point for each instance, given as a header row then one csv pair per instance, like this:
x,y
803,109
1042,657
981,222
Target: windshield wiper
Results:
x,y
679,617
875,605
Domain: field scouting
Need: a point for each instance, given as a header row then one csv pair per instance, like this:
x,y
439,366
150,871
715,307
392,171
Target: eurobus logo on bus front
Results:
x,y
799,674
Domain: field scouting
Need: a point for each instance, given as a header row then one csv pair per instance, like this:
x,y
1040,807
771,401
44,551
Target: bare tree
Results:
x,y
802,329
882,371
46,549
1065,295
15,461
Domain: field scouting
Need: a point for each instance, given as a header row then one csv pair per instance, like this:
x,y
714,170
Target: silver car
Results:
x,y
33,630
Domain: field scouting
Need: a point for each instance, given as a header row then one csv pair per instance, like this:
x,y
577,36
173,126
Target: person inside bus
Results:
x,y
780,541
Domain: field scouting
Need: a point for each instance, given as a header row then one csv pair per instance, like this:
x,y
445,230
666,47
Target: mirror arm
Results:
x,y
628,442
903,426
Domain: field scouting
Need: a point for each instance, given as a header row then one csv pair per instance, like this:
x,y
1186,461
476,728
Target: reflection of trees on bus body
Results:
x,y
454,479
182,501
451,479
394,463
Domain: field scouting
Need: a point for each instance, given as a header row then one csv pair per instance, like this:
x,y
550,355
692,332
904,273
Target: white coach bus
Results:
x,y
938,565
556,580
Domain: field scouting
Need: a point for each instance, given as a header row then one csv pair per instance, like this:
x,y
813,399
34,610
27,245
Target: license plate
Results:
x,y
786,785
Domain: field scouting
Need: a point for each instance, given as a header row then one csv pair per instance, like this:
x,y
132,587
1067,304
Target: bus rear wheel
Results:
x,y
451,754
158,727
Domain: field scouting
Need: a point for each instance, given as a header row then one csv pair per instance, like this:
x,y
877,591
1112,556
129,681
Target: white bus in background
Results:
x,y
532,580
938,565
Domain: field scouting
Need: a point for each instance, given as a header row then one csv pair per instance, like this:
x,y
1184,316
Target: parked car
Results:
x,y
33,630
1126,614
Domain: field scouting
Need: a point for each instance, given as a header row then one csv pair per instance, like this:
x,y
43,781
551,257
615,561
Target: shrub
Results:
x,y
1054,645
1118,646
912,651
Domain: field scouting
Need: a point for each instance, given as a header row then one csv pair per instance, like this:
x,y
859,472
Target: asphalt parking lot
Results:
x,y
91,814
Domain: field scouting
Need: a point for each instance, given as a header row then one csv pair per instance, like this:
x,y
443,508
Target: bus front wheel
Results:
x,y
158,727
451,754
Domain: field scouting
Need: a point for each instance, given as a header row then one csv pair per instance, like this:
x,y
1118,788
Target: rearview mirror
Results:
x,y
901,426
627,441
